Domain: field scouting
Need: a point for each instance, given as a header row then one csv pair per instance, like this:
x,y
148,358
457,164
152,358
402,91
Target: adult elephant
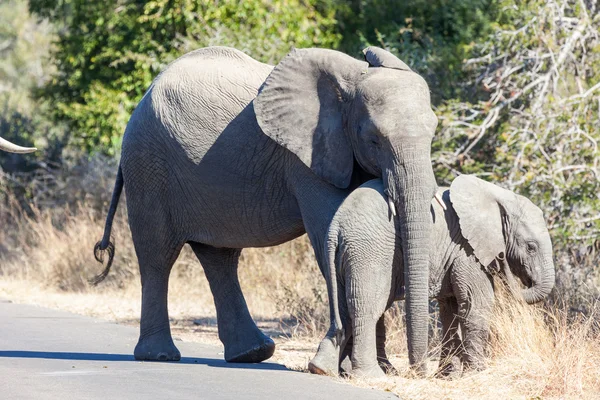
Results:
x,y
13,148
224,152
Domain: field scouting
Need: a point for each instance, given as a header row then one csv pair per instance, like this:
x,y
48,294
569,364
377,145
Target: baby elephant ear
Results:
x,y
378,57
479,206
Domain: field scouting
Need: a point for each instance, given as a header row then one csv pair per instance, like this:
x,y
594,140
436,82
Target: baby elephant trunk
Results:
x,y
541,285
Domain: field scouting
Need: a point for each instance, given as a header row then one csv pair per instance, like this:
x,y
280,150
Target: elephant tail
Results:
x,y
331,276
106,244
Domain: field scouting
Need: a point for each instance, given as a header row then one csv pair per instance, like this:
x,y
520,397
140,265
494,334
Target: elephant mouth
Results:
x,y
525,279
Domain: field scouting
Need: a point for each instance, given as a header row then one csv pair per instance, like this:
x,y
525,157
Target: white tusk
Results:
x,y
392,206
440,201
13,148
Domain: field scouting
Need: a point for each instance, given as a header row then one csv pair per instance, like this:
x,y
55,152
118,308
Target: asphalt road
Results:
x,y
48,354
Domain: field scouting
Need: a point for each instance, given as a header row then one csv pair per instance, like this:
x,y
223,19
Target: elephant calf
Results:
x,y
364,269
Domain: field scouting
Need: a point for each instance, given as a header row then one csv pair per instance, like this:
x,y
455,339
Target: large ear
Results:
x,y
480,206
378,57
301,106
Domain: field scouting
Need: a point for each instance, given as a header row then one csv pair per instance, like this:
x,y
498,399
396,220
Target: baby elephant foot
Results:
x,y
387,367
474,366
158,347
325,362
259,349
372,372
449,369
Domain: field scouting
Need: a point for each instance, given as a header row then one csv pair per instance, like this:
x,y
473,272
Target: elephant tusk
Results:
x,y
392,206
13,148
440,201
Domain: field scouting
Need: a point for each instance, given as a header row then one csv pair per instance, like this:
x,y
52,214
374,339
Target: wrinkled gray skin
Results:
x,y
13,148
365,264
208,159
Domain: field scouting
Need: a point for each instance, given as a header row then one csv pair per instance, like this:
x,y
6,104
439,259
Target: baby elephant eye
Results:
x,y
532,247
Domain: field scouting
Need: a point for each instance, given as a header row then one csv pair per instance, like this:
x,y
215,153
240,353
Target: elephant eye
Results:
x,y
532,247
375,141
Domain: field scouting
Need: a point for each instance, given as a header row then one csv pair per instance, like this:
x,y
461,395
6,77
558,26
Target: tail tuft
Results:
x,y
99,256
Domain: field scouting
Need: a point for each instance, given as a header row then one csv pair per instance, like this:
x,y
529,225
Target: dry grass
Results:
x,y
56,252
535,352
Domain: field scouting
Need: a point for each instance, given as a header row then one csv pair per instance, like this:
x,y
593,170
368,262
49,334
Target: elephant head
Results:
x,y
13,148
496,221
331,110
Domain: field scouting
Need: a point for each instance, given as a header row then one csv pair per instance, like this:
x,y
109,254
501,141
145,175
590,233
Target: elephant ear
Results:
x,y
301,106
378,57
480,206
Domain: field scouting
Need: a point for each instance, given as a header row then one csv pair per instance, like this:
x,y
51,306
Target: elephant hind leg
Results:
x,y
156,258
242,339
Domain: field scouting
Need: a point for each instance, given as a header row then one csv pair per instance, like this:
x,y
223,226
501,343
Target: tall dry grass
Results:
x,y
544,351
534,352
53,246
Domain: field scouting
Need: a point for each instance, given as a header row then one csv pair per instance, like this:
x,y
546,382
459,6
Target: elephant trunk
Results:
x,y
541,285
13,148
411,184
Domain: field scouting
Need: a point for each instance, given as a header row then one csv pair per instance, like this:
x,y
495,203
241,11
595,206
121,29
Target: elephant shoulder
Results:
x,y
367,204
370,195
212,74
201,92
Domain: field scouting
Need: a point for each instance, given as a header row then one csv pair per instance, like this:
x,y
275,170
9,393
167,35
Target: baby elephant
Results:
x,y
483,229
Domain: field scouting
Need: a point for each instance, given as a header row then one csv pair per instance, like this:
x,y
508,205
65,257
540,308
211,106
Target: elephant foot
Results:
x,y
474,366
387,367
419,370
449,369
373,372
158,347
260,350
346,367
325,362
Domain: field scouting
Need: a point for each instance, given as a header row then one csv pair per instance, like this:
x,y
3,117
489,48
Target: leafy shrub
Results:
x,y
108,52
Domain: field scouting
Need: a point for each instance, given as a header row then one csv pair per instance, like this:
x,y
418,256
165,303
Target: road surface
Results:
x,y
48,354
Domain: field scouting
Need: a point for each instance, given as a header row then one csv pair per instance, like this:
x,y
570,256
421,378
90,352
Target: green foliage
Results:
x,y
533,120
24,45
431,36
109,51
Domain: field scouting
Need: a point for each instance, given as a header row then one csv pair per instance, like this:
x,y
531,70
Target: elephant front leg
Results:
x,y
365,313
382,358
242,339
364,349
450,357
327,359
475,302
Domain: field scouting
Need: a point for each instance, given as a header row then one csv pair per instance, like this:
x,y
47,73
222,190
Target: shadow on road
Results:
x,y
211,362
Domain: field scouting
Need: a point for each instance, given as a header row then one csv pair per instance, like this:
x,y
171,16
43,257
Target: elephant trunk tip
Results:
x,y
99,249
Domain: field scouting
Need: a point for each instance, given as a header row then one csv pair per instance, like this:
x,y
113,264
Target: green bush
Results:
x,y
108,52
431,36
